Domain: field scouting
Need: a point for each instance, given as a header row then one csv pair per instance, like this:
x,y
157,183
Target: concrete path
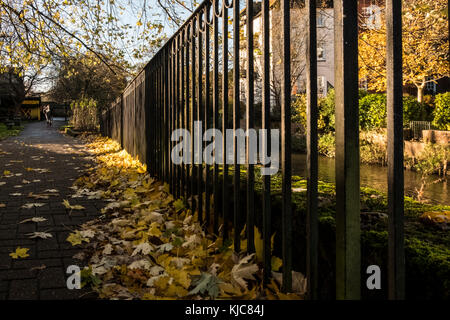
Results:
x,y
57,161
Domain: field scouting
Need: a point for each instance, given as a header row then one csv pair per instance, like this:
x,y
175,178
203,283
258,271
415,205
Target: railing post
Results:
x,y
207,113
286,146
348,251
225,121
312,157
236,118
396,271
266,210
250,114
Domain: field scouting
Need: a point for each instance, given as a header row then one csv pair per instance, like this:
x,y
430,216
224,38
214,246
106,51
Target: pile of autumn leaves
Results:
x,y
147,245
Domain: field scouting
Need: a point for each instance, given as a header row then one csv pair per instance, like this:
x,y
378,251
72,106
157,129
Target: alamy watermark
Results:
x,y
248,147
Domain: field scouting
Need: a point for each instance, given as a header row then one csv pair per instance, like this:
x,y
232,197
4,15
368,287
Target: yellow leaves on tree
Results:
x,y
425,46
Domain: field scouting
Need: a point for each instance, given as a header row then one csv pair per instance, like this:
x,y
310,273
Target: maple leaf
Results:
x,y
144,248
165,247
32,205
244,270
154,230
76,238
72,207
20,253
108,249
276,263
34,219
206,283
141,264
41,235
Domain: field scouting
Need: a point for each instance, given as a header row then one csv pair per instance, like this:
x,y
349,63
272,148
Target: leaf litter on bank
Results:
x,y
148,245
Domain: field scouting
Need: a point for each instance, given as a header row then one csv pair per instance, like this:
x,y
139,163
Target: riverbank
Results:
x,y
427,240
432,159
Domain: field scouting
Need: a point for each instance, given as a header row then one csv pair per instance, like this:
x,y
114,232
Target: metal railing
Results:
x,y
183,83
417,127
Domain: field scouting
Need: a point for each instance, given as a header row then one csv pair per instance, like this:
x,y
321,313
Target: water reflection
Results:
x,y
376,177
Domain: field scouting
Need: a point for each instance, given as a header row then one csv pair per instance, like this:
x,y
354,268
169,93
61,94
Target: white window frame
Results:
x,y
321,46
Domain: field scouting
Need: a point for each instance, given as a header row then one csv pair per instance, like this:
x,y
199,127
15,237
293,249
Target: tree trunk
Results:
x,y
420,93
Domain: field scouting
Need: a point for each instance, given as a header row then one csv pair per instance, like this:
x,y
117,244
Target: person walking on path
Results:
x,y
48,114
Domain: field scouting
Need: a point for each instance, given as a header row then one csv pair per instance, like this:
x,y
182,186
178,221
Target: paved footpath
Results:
x,y
42,274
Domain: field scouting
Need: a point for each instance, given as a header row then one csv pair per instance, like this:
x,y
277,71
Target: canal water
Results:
x,y
376,177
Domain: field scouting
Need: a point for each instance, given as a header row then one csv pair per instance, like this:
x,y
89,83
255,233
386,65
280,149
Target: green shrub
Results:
x,y
428,104
326,144
298,110
326,112
372,111
373,147
413,110
441,112
85,114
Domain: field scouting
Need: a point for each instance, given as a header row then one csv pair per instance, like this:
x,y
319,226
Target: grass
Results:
x,y
5,133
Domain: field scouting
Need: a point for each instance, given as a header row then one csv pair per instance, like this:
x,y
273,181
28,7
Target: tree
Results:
x,y
36,35
425,47
84,76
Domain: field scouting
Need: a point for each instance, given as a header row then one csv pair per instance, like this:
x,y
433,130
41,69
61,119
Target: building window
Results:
x,y
320,20
430,86
321,51
321,85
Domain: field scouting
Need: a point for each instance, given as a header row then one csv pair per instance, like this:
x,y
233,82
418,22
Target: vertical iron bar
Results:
x,y
348,247
172,109
207,113
199,118
186,110
176,107
193,118
396,270
312,157
165,78
267,147
250,124
225,212
236,118
216,117
181,110
286,148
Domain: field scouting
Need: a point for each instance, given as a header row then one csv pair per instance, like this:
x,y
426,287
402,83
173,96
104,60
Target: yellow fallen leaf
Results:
x,y
276,263
72,207
154,230
76,238
20,253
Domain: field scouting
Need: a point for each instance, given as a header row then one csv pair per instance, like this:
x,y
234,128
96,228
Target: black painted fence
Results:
x,y
185,81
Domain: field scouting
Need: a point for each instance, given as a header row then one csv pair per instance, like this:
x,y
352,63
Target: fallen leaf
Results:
x,y
41,235
72,207
20,253
32,205
34,219
76,238
244,270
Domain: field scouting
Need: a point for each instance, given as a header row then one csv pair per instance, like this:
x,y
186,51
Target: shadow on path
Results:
x,y
57,160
